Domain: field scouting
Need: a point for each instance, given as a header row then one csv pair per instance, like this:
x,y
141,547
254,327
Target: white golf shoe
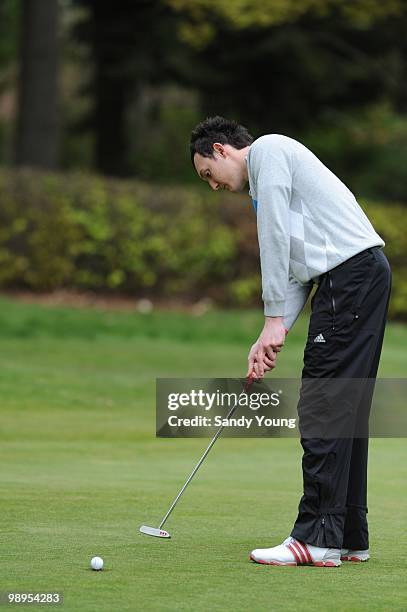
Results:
x,y
293,552
347,554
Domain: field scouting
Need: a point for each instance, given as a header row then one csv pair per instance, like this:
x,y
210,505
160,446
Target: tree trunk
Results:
x,y
113,84
37,121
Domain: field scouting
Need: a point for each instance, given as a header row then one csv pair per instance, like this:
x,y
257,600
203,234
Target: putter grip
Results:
x,y
250,380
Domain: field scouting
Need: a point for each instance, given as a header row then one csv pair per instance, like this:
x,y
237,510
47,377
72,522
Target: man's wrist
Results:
x,y
273,321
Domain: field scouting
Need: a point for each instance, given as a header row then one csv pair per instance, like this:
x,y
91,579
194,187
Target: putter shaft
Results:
x,y
249,382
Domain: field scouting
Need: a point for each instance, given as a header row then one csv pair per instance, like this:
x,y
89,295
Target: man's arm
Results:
x,y
296,298
263,353
270,166
271,173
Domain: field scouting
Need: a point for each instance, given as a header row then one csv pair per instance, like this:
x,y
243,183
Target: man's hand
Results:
x,y
263,354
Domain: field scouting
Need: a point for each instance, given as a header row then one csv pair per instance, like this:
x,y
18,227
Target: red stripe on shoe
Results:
x,y
295,553
326,564
300,551
305,550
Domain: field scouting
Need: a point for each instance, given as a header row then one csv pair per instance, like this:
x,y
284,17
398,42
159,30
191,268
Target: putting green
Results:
x,y
81,470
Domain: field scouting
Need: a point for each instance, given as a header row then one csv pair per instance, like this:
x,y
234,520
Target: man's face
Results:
x,y
225,170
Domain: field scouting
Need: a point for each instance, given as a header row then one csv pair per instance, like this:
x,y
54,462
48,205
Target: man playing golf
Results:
x,y
311,230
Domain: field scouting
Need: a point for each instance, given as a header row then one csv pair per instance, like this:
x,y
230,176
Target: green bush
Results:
x,y
90,233
391,223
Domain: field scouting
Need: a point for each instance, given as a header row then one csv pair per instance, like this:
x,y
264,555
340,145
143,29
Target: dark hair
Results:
x,y
218,129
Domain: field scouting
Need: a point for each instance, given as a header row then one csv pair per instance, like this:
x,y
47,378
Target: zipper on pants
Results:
x,y
332,300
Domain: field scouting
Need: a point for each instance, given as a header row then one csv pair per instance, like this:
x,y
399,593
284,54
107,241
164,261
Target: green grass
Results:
x,y
80,470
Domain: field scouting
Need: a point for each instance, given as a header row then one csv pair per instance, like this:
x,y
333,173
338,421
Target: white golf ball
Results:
x,y
96,563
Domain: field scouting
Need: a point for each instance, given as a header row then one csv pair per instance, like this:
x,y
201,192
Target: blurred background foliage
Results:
x,y
97,101
86,232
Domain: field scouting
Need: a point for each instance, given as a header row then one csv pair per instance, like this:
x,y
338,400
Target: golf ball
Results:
x,y
96,563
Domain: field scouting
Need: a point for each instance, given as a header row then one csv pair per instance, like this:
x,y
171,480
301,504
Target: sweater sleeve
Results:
x,y
270,167
296,298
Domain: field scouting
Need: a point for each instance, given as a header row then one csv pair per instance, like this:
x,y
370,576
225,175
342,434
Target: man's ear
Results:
x,y
219,148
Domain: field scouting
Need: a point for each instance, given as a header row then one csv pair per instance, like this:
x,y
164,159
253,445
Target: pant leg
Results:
x,y
356,534
350,350
322,508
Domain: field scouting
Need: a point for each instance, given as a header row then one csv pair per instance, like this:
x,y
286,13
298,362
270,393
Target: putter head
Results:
x,y
152,531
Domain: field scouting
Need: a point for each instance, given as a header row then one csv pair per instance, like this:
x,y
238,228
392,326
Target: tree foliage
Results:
x,y
198,31
288,66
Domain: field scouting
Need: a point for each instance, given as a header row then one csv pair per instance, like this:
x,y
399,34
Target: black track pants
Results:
x,y
349,311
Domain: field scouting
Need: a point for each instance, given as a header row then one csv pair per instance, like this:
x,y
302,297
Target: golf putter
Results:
x,y
159,532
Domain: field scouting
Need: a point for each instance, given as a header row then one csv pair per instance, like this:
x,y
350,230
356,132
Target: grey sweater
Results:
x,y
308,222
